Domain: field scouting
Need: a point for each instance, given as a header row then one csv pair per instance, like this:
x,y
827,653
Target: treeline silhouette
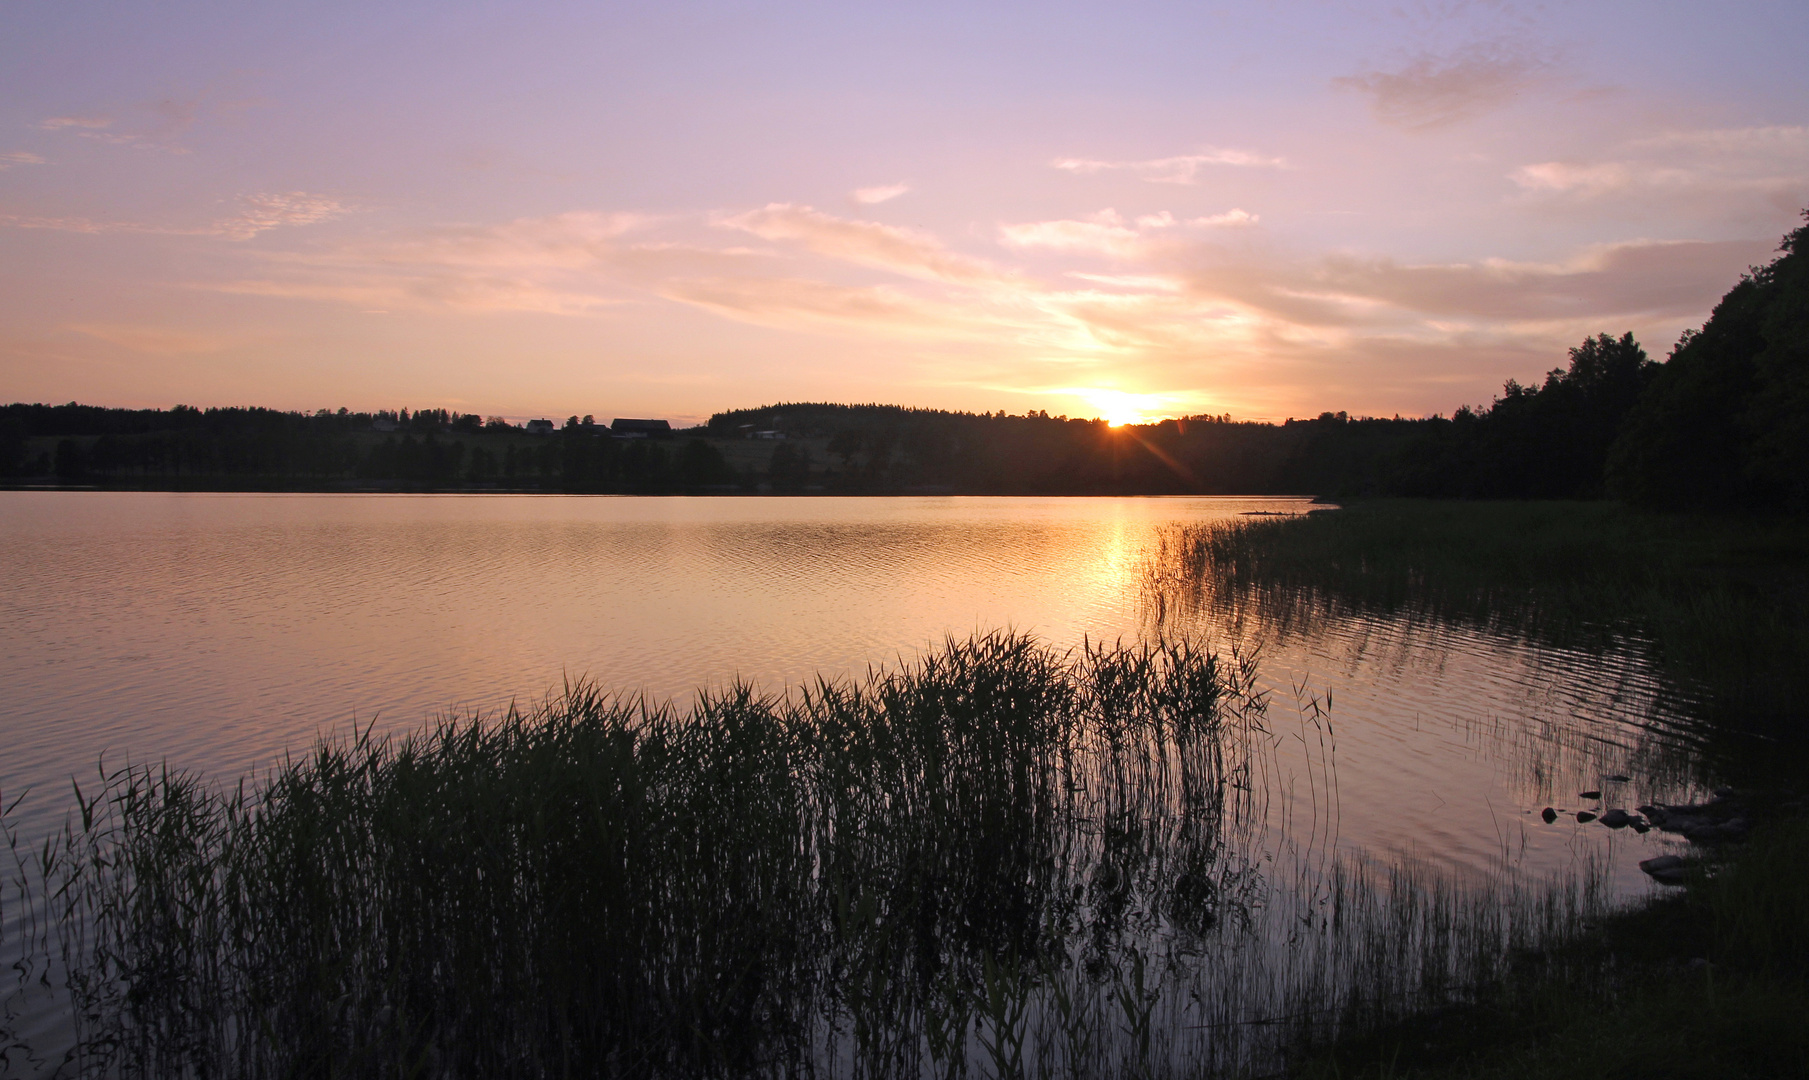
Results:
x,y
1723,422
430,449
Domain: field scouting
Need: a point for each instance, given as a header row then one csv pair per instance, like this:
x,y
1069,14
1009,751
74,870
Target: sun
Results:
x,y
1119,408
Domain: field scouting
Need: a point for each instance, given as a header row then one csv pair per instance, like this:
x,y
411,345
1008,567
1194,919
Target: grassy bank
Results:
x,y
1713,983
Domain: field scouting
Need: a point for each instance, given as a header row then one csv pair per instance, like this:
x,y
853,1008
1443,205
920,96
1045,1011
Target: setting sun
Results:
x,y
1119,408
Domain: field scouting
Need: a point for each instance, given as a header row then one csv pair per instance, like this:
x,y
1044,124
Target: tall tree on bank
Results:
x,y
1726,422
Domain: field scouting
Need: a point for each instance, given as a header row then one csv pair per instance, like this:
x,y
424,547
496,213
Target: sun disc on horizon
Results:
x,y
1118,408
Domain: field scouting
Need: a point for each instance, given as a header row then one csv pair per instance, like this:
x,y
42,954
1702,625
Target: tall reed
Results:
x,y
1000,860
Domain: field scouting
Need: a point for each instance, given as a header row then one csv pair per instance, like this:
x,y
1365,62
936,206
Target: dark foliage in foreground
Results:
x,y
1710,984
608,888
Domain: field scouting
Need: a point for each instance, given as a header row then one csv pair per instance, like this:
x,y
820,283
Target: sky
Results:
x,y
1128,210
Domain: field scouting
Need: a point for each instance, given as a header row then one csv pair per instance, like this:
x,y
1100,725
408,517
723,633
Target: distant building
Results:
x,y
640,429
769,435
383,425
539,427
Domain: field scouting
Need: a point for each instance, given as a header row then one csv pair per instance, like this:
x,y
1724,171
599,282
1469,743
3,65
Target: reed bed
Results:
x,y
1000,860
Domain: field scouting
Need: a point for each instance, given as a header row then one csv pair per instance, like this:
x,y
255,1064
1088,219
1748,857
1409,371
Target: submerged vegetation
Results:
x,y
999,861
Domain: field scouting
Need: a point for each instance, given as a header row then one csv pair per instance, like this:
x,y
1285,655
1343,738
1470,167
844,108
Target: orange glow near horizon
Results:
x,y
1118,408
1388,219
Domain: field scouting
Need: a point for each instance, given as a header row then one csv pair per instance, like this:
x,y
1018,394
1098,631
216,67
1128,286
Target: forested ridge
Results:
x,y
1724,421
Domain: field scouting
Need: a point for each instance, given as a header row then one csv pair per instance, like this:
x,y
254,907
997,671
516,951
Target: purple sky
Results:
x,y
1267,209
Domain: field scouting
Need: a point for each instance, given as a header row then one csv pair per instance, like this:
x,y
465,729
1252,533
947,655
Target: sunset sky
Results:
x,y
1128,209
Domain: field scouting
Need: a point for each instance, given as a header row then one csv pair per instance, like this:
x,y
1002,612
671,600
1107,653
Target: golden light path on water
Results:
x,y
217,632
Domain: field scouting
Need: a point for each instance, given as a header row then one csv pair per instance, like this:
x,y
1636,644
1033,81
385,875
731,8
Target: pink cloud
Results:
x,y
1181,169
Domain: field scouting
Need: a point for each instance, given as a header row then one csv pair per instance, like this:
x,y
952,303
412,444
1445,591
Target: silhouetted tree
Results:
x,y
70,465
702,465
1726,421
788,470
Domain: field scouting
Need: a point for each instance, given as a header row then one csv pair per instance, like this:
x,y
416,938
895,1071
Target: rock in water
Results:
x,y
1584,817
1549,815
1617,818
1592,795
1665,869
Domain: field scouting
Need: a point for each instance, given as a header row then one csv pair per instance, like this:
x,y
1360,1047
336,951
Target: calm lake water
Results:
x,y
216,632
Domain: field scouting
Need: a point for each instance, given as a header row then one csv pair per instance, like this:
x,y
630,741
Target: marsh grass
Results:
x,y
1713,983
999,861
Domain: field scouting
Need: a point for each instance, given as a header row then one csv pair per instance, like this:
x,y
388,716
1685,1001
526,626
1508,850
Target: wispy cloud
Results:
x,y
1189,302
261,213
800,303
561,264
161,122
873,196
79,123
884,247
1432,91
1233,218
274,211
1693,166
1103,233
1350,294
383,291
1182,169
1109,233
12,158
155,340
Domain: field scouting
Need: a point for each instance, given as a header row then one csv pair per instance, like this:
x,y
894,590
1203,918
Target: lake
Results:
x,y
219,632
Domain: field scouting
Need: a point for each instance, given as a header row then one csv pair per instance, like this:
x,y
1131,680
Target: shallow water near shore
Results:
x,y
219,632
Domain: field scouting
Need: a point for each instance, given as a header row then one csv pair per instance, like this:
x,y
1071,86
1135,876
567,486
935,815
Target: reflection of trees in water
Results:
x,y
1554,693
